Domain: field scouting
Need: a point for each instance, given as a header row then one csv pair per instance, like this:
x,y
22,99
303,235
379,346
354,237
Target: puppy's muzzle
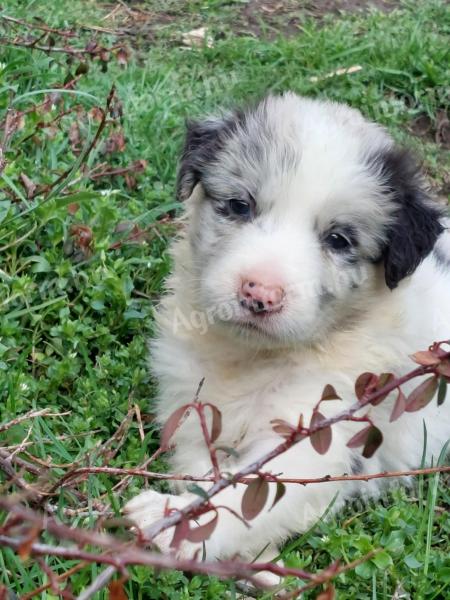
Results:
x,y
261,298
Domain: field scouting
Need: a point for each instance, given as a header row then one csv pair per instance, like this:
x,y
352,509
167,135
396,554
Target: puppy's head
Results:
x,y
295,207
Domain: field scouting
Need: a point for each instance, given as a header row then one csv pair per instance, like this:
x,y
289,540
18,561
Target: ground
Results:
x,y
80,273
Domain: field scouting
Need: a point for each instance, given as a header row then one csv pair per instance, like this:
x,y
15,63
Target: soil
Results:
x,y
284,16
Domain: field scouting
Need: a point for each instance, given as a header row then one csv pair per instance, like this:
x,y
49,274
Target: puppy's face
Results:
x,y
293,207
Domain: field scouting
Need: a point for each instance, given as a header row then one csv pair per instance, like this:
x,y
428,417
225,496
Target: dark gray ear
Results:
x,y
417,219
203,141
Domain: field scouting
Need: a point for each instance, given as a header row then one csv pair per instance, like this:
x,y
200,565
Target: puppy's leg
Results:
x,y
298,509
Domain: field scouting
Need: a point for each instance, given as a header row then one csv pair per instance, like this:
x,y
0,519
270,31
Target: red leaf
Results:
x,y
329,393
399,407
422,395
373,442
366,382
72,208
328,594
115,142
216,426
321,439
359,439
24,550
202,532
91,46
444,368
75,137
96,113
426,358
282,427
172,424
281,490
122,56
83,235
181,532
254,498
383,380
130,180
117,590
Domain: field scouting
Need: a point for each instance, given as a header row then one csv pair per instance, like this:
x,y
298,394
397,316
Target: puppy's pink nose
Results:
x,y
260,298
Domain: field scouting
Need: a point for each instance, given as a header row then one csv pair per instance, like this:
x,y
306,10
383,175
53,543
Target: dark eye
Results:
x,y
337,242
240,208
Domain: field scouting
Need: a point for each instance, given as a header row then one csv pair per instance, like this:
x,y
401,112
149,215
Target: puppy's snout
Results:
x,y
261,297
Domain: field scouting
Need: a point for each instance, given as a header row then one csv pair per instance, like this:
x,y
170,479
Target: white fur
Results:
x,y
280,371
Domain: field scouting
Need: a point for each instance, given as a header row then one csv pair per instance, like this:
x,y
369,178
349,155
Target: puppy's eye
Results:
x,y
240,208
337,242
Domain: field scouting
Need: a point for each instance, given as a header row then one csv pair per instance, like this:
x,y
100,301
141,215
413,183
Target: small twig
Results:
x,y
124,483
60,579
139,472
98,584
62,437
57,49
21,446
137,412
32,414
61,32
324,576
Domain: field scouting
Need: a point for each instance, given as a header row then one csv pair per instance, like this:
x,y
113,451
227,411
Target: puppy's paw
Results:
x,y
267,579
147,507
150,506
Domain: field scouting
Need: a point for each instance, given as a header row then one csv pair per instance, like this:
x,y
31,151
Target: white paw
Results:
x,y
266,579
150,506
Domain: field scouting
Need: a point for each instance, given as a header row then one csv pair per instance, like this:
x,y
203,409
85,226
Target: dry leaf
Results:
x,y
282,427
198,37
337,72
29,186
117,590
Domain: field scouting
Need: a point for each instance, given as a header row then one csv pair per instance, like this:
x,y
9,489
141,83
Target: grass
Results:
x,y
74,321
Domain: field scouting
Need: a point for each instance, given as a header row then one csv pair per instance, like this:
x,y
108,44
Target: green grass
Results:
x,y
74,325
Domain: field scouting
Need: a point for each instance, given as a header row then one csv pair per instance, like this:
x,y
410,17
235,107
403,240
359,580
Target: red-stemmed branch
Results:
x,y
370,394
23,527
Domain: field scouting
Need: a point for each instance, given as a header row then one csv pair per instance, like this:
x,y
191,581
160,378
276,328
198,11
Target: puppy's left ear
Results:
x,y
204,139
416,221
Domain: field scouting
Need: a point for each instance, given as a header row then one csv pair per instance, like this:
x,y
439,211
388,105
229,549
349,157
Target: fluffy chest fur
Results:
x,y
252,387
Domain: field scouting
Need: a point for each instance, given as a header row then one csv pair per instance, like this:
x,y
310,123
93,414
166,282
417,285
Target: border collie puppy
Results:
x,y
311,253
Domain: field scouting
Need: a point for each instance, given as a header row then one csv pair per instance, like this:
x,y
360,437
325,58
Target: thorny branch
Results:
x,y
119,555
91,50
296,435
21,531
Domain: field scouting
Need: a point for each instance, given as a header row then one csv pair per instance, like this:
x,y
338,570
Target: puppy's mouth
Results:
x,y
258,322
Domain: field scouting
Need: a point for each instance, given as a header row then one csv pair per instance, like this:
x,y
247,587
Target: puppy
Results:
x,y
311,253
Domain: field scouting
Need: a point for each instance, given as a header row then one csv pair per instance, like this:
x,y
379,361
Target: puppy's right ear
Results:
x,y
204,139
